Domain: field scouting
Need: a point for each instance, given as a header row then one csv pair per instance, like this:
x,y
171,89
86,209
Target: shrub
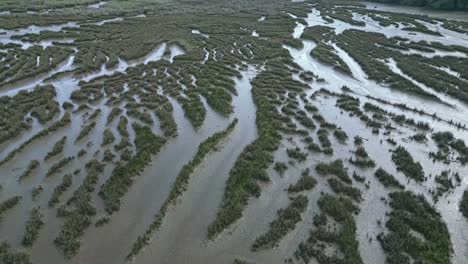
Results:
x,y
85,131
108,137
33,225
8,204
27,173
334,168
358,177
102,221
340,135
404,162
387,179
60,189
280,167
306,182
57,167
9,256
296,154
78,212
342,188
286,221
464,204
36,191
57,148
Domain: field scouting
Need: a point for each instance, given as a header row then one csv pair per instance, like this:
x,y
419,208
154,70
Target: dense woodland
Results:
x,y
437,4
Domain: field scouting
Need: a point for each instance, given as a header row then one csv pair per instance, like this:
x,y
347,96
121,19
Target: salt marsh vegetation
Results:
x,y
261,131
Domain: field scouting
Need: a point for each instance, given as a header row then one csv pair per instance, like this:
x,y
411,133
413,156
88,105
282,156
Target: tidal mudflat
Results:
x,y
232,132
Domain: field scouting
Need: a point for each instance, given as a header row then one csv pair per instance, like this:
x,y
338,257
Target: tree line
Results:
x,y
436,4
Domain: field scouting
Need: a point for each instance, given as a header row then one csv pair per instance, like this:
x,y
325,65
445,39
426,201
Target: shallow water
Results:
x,y
183,234
196,31
360,84
97,5
445,99
67,84
372,208
5,35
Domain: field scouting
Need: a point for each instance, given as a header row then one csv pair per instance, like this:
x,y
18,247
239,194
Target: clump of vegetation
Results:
x,y
286,221
296,153
108,137
81,153
168,124
295,43
444,184
464,204
60,189
113,114
305,121
123,144
314,147
361,152
33,225
362,163
323,138
194,109
126,154
85,131
108,156
241,261
413,214
405,163
419,137
9,256
36,191
362,158
78,212
57,148
340,135
306,182
57,167
358,177
326,54
334,168
445,141
33,164
102,221
95,114
122,127
346,102
8,204
341,188
144,117
391,141
341,210
387,179
280,167
358,140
